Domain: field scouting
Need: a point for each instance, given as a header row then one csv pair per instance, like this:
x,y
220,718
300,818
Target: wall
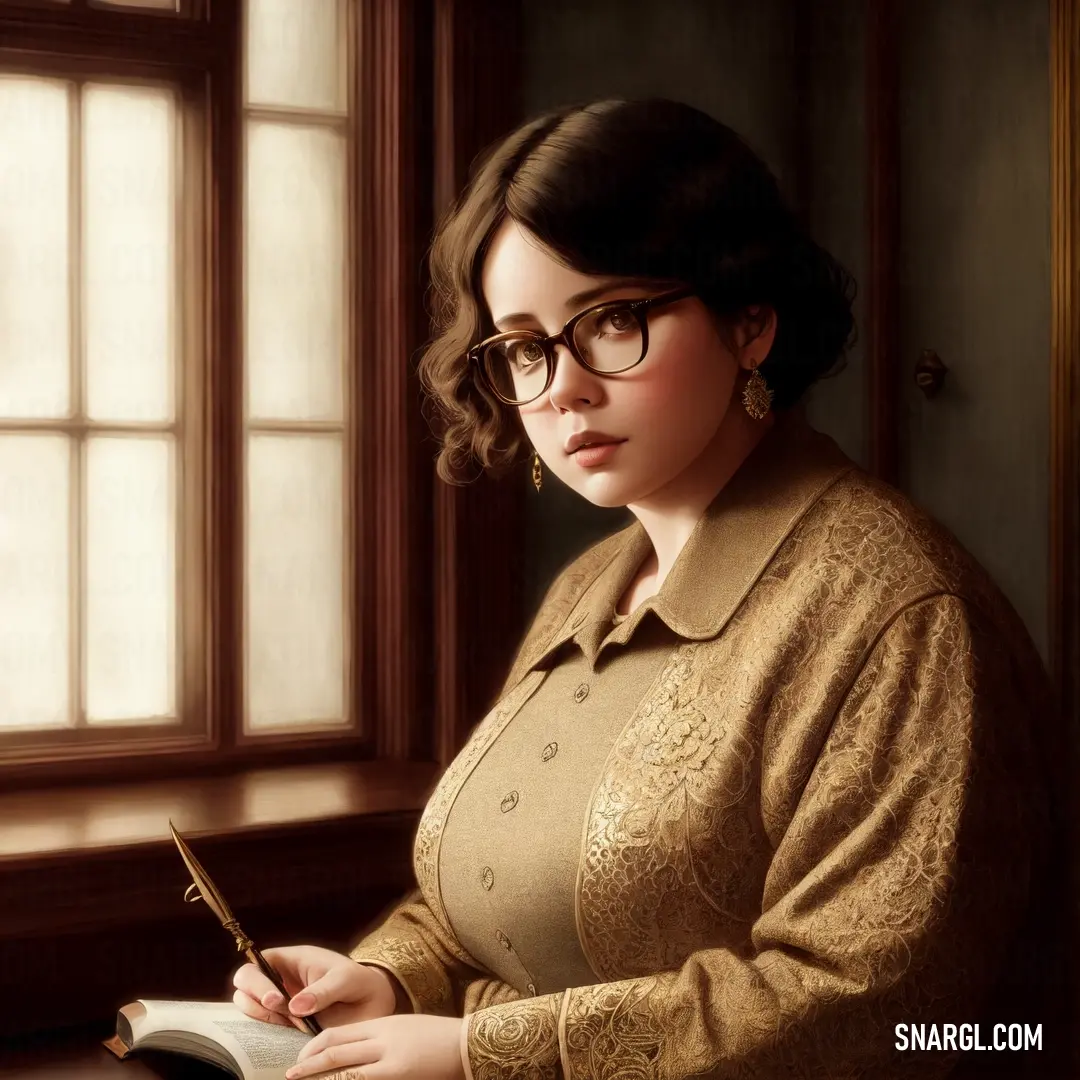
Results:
x,y
975,281
835,195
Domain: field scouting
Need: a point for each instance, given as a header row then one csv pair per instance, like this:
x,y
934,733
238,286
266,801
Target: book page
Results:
x,y
265,1046
262,1050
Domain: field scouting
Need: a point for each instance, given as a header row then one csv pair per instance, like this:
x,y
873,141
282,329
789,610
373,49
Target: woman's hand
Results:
x,y
322,983
412,1047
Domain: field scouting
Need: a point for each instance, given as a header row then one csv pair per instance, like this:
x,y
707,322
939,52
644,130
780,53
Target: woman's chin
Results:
x,y
609,490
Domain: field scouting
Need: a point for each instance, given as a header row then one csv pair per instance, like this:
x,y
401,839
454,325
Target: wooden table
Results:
x,y
77,1054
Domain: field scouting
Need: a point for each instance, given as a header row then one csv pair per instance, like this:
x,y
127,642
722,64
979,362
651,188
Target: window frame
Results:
x,y
201,55
52,43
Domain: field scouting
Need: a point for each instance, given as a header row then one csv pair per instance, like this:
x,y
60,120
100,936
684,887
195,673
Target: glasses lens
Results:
x,y
517,368
609,339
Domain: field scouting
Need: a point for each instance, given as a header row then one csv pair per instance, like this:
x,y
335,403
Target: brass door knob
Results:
x,y
930,372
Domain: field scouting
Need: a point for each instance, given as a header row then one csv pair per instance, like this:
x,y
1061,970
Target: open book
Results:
x,y
212,1031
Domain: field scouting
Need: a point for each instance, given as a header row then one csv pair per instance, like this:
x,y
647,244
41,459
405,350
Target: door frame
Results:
x,y
1064,578
1064,554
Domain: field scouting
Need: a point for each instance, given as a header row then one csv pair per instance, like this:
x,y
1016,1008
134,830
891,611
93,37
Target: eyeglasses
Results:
x,y
612,337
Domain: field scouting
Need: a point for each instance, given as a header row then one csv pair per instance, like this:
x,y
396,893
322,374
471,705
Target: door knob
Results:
x,y
930,372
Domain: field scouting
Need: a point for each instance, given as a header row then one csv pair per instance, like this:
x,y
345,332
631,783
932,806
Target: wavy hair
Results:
x,y
651,188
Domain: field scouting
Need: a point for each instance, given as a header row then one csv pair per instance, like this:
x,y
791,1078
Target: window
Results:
x,y
329,600
91,285
178,450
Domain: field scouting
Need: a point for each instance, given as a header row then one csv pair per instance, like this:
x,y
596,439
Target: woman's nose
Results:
x,y
572,381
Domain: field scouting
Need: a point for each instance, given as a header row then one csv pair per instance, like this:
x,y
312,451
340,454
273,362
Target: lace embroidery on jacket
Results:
x,y
517,1041
428,987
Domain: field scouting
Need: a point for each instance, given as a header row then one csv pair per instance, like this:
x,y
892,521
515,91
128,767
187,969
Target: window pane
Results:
x,y
35,545
295,228
35,348
131,579
294,54
294,580
128,224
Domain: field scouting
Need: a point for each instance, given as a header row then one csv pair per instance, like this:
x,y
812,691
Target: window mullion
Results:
x,y
77,346
224,432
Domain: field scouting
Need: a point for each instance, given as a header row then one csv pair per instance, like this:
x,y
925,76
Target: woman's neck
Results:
x,y
669,514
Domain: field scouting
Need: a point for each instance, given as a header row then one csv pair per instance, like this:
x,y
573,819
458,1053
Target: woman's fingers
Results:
x,y
249,1006
254,983
331,1055
330,988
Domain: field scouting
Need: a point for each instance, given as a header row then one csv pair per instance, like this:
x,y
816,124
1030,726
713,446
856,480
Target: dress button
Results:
x,y
581,693
509,801
487,878
532,989
549,751
504,941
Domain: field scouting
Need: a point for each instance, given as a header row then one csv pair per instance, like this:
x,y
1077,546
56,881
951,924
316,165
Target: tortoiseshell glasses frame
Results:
x,y
639,308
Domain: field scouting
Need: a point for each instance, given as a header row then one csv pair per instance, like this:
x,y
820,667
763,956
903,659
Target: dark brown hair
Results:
x,y
650,188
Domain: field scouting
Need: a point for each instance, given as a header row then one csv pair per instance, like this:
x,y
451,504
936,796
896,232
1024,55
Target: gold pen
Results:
x,y
208,891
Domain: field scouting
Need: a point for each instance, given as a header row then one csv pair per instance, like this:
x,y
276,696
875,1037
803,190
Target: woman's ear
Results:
x,y
755,334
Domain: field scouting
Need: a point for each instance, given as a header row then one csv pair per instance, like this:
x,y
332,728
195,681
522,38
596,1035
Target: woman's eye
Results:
x,y
529,353
617,321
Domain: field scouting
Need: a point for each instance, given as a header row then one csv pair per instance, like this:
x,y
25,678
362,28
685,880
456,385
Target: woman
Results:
x,y
761,783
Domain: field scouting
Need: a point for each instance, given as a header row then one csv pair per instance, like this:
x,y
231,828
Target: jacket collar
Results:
x,y
731,545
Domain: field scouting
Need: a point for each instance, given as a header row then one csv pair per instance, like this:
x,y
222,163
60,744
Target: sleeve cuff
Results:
x,y
397,973
514,1038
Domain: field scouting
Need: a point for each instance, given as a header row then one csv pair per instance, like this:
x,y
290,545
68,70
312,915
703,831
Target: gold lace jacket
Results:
x,y
819,820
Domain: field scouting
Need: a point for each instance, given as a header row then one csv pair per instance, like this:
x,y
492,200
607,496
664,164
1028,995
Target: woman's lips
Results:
x,y
596,453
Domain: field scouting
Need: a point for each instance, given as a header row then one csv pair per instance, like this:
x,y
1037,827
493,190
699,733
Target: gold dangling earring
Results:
x,y
757,396
537,477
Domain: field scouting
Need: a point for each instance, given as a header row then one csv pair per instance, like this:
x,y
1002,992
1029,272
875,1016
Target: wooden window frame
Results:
x,y
184,52
185,427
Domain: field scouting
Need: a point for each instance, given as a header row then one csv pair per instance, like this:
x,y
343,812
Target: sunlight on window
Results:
x,y
129,252
88,516
147,820
295,261
110,412
18,837
265,798
131,579
295,55
295,588
35,637
35,343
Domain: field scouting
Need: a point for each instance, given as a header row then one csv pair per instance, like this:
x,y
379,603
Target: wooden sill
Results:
x,y
94,857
